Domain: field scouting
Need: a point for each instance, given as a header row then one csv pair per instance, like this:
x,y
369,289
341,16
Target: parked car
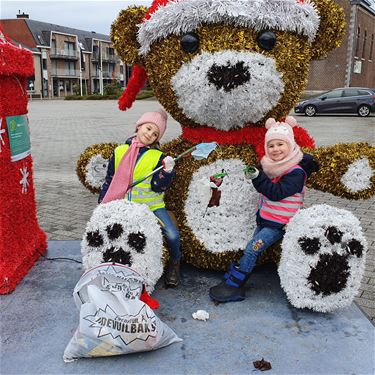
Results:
x,y
358,100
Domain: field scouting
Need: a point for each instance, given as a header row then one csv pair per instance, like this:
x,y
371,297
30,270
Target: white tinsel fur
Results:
x,y
358,176
179,17
295,265
96,170
204,103
229,226
134,218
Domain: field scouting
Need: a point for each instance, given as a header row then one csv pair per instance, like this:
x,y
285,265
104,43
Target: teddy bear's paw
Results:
x,y
92,165
126,233
346,170
322,259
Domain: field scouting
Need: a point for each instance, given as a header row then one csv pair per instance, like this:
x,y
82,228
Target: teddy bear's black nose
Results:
x,y
228,77
330,274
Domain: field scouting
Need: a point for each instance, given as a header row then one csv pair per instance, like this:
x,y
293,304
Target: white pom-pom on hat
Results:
x,y
290,120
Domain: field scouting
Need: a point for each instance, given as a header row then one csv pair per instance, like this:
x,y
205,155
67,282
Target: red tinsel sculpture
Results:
x,y
21,239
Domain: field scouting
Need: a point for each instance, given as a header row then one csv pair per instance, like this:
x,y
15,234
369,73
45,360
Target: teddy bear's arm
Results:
x,y
346,170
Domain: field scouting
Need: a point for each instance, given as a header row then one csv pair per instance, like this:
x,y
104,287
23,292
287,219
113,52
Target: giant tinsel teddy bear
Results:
x,y
221,68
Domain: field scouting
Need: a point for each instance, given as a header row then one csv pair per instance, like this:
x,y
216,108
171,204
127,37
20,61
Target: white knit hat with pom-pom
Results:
x,y
281,130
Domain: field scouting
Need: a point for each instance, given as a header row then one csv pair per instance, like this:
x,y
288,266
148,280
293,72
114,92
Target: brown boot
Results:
x,y
172,277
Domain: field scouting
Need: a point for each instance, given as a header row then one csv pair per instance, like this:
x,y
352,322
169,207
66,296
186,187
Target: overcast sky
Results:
x,y
90,15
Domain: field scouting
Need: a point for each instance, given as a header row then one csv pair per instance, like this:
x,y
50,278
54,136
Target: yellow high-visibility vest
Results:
x,y
142,192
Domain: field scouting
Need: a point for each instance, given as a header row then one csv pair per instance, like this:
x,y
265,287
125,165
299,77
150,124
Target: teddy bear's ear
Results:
x,y
331,29
124,34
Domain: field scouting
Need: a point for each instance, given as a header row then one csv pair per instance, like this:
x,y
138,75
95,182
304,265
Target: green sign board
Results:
x,y
19,137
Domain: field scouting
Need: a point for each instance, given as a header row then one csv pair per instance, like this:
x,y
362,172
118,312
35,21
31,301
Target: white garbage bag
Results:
x,y
113,320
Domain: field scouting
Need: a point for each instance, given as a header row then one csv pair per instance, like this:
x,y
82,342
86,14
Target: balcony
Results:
x,y
64,73
105,57
106,75
64,54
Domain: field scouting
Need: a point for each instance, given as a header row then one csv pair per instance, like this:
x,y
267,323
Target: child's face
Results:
x,y
147,133
277,149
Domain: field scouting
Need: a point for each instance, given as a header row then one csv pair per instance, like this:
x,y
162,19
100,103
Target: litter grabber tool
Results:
x,y
250,172
199,152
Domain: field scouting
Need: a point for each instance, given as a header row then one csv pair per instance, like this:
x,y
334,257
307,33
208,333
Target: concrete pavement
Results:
x,y
39,318
61,130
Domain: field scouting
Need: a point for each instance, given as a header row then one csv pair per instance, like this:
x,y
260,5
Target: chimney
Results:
x,y
23,15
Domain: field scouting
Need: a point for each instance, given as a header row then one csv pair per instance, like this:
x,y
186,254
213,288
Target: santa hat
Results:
x,y
176,17
165,18
280,130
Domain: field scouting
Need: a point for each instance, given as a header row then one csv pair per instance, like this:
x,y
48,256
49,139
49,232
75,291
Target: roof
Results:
x,y
41,32
367,4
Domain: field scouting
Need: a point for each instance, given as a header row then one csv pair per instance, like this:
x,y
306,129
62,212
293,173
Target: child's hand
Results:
x,y
168,164
251,172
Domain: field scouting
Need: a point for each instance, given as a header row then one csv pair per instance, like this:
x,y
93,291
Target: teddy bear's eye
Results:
x,y
266,40
190,42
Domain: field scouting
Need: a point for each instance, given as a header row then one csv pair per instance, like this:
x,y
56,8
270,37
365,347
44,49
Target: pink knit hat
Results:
x,y
159,118
282,131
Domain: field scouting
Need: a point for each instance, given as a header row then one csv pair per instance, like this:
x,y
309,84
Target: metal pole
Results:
x,y
101,70
80,70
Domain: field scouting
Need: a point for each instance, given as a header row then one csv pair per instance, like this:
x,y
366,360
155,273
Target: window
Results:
x,y
121,69
95,52
44,64
350,92
53,67
363,92
333,94
111,51
357,42
364,45
69,49
53,46
70,66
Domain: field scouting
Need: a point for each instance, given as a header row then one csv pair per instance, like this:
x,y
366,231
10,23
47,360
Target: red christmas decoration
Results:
x,y
21,239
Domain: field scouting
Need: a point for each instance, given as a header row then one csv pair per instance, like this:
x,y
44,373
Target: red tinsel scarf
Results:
x,y
251,135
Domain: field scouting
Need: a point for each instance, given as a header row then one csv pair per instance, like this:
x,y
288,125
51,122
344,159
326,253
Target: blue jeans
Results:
x,y
170,232
262,239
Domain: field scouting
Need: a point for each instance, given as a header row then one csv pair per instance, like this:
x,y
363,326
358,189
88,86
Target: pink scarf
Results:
x,y
123,177
276,168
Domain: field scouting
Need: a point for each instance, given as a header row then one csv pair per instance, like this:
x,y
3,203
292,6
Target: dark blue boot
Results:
x,y
232,288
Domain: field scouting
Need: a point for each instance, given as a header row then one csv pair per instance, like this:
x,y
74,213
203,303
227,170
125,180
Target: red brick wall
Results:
x,y
366,22
330,73
17,30
334,71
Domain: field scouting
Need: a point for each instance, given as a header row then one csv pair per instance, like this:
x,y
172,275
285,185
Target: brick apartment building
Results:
x,y
66,60
64,57
353,63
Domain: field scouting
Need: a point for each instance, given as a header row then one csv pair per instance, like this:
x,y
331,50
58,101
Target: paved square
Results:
x,y
61,130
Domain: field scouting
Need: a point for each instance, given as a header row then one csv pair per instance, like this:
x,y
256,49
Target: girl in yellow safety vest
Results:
x,y
132,161
281,187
